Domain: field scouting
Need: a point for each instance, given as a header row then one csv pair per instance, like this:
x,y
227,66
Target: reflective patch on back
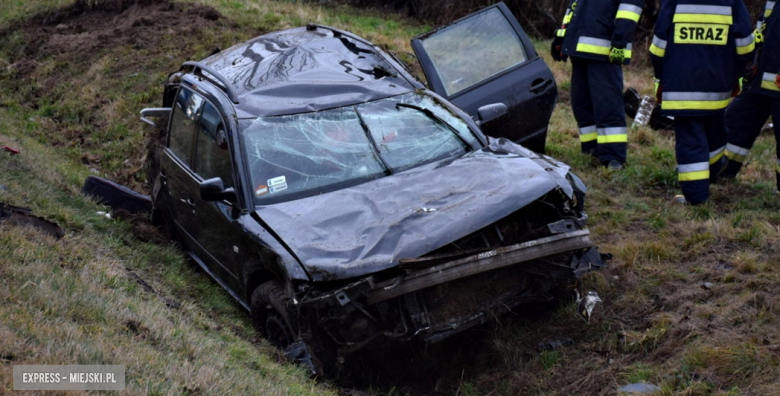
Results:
x,y
701,33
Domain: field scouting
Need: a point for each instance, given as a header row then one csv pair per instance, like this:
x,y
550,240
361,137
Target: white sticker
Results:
x,y
277,181
261,190
277,188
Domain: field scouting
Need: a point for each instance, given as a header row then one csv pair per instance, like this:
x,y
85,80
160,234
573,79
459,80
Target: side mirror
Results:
x,y
491,112
214,190
157,112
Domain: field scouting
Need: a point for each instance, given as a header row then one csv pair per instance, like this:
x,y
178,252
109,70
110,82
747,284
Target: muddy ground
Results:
x,y
56,60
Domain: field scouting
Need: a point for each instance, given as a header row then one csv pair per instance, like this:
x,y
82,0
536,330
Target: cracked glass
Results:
x,y
296,156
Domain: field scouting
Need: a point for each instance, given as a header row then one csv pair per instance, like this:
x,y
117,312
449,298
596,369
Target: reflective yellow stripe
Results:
x,y
697,175
599,50
588,137
736,153
613,139
716,158
767,13
593,49
735,157
659,52
770,85
567,17
560,32
746,49
703,18
627,15
695,104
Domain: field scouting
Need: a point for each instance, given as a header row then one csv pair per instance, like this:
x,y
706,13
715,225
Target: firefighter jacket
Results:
x,y
591,28
767,58
699,51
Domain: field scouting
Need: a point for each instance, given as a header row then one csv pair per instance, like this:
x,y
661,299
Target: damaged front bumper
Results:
x,y
432,298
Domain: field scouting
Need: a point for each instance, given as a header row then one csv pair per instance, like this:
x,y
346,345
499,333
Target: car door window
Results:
x,y
183,124
213,155
473,50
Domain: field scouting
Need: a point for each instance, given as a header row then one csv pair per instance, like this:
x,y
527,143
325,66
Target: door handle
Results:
x,y
188,201
540,85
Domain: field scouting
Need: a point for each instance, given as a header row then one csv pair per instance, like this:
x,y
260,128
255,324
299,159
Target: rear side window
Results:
x,y
183,124
474,50
213,159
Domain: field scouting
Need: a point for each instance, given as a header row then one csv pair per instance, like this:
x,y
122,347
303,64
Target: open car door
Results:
x,y
487,58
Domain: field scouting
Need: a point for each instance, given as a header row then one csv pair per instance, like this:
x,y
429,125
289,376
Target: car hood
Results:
x,y
368,228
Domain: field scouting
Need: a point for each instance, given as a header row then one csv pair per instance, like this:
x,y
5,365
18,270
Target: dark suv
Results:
x,y
343,203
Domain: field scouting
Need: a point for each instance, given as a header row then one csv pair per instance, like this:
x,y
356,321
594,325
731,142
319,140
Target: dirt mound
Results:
x,y
87,68
78,32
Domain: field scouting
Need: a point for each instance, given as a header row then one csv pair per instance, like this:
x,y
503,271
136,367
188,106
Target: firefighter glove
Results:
x,y
617,55
556,49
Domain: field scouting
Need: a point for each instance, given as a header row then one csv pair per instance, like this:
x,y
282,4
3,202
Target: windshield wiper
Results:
x,y
373,143
433,115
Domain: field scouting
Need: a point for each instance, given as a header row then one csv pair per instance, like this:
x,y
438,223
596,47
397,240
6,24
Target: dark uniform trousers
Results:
x,y
745,117
699,144
597,103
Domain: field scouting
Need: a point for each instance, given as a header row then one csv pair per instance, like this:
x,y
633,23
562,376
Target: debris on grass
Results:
x,y
586,303
19,216
11,150
116,196
639,389
554,345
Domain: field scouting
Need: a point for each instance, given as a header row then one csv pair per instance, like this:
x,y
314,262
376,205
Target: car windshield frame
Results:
x,y
341,147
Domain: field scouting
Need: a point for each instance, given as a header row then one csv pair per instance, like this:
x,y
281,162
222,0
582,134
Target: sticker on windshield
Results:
x,y
261,190
277,184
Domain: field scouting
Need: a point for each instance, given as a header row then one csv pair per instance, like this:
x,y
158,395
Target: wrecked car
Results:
x,y
342,203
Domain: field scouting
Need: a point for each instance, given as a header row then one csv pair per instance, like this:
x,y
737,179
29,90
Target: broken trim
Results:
x,y
231,93
483,262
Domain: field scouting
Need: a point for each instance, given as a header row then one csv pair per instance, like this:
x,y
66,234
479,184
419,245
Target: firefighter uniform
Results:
x,y
760,96
597,35
699,50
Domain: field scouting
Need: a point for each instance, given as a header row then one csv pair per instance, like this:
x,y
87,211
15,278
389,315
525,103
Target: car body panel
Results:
x,y
306,69
463,63
370,227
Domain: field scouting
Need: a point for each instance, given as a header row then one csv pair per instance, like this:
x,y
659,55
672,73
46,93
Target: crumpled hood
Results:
x,y
370,227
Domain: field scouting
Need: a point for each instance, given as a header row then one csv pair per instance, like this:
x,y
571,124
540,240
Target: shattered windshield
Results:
x,y
300,155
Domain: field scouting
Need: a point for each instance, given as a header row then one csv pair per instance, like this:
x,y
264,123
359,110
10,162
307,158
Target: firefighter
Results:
x,y
760,96
597,36
699,50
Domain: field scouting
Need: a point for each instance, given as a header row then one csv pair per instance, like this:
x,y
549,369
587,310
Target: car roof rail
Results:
x,y
226,84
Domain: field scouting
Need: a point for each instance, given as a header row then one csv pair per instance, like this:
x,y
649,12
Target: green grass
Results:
x,y
76,301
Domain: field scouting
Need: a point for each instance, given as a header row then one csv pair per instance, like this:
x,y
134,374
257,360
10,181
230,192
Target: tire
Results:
x,y
276,322
270,316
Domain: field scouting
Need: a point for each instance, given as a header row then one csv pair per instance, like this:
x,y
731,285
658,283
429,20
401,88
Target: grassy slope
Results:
x,y
658,324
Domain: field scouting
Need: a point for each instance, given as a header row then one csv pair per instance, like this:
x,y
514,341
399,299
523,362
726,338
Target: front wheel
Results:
x,y
275,320
270,315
